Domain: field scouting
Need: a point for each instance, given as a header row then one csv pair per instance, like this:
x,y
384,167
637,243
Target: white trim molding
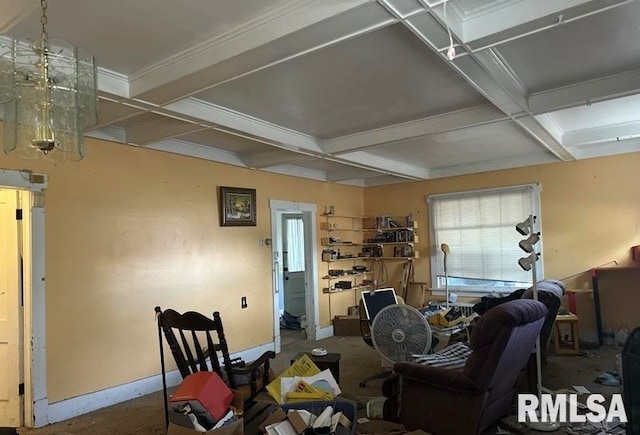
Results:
x,y
89,402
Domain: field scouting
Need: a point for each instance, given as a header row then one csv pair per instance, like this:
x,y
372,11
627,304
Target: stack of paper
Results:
x,y
321,386
303,382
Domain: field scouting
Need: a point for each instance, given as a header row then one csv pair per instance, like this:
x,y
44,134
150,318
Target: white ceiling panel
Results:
x,y
110,112
382,78
225,141
592,47
470,8
621,110
496,141
143,31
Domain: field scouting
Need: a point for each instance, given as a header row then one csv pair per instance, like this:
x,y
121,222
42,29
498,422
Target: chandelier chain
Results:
x,y
43,21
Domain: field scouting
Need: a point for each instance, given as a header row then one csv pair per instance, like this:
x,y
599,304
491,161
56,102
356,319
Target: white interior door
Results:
x,y
9,311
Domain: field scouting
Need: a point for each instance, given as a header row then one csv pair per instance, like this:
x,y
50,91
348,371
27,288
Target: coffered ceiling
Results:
x,y
359,91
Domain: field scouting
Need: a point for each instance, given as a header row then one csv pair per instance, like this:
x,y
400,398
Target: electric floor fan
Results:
x,y
400,331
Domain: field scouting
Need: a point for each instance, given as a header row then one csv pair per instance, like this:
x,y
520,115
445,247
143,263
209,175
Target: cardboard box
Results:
x,y
235,428
346,325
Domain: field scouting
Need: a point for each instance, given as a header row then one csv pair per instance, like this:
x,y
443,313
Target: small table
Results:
x,y
330,361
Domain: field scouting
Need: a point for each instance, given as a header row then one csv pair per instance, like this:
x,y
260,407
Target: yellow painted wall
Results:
x,y
590,216
128,229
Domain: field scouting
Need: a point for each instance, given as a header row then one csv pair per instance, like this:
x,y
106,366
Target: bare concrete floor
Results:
x,y
144,415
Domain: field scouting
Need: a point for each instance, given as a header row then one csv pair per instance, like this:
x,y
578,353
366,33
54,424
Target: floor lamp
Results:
x,y
445,250
528,263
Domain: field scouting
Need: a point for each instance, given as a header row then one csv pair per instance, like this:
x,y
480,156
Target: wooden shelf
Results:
x,y
389,229
345,259
368,244
342,216
340,290
346,275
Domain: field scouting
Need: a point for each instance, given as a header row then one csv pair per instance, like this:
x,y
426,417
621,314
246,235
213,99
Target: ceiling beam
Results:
x,y
585,93
501,24
608,133
607,148
381,181
491,165
413,129
297,171
110,133
268,159
159,129
350,174
190,149
253,127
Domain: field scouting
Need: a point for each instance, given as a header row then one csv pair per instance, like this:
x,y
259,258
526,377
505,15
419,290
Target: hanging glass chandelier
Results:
x,y
49,93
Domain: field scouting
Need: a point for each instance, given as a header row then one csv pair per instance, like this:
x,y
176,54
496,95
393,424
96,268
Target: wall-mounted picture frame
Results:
x,y
237,207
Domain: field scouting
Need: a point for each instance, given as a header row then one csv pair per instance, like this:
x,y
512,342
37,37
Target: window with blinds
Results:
x,y
479,228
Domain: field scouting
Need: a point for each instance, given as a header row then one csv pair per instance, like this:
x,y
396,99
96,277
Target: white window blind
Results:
x,y
479,228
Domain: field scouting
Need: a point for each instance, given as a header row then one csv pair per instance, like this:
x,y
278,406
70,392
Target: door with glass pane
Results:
x,y
294,273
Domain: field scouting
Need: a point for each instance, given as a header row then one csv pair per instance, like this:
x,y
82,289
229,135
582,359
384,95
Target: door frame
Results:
x,y
30,186
278,209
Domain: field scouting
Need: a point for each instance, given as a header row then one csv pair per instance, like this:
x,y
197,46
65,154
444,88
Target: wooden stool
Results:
x,y
565,335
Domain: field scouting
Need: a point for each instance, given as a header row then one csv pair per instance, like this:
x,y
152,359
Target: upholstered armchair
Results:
x,y
472,400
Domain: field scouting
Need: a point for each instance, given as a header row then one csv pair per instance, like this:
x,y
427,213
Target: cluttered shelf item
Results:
x,y
198,343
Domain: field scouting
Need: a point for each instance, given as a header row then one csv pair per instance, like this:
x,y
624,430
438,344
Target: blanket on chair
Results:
x,y
451,357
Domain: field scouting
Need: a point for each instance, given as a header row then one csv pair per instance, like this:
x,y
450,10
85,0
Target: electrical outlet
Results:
x,y
243,302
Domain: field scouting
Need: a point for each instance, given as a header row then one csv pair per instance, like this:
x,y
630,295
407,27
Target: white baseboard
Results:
x,y
324,332
79,405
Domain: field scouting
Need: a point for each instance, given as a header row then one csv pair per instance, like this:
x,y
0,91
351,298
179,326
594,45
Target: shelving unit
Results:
x,y
337,228
359,241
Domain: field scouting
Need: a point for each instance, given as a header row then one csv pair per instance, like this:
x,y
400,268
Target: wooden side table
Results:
x,y
565,335
330,361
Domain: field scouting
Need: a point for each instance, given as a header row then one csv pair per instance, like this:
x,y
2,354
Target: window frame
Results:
x,y
477,291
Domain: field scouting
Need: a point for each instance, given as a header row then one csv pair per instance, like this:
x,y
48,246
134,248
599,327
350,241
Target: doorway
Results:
x,y
11,311
295,297
23,392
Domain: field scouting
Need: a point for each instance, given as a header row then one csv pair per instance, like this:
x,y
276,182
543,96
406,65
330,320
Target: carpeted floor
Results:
x,y
145,414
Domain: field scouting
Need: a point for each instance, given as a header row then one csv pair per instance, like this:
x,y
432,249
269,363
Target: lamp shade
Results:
x,y
526,263
528,244
525,227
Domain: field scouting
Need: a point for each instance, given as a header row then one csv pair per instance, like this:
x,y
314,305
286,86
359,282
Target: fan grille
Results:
x,y
398,331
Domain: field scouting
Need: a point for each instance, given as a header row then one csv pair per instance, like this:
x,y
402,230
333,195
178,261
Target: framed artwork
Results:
x,y
237,207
